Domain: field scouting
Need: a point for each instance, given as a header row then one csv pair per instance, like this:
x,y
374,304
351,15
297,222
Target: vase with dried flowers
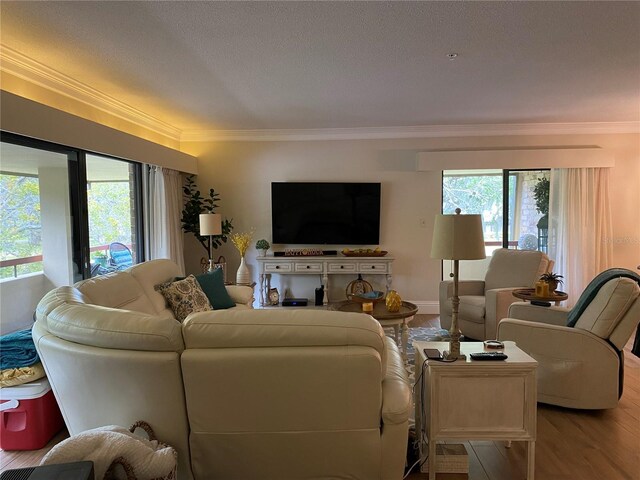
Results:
x,y
241,242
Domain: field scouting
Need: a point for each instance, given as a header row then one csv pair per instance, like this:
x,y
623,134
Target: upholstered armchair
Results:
x,y
579,351
484,302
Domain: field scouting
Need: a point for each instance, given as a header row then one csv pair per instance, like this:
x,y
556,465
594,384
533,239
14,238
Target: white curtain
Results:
x,y
580,229
165,210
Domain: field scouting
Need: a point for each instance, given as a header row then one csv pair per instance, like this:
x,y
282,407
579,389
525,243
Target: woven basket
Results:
x,y
129,469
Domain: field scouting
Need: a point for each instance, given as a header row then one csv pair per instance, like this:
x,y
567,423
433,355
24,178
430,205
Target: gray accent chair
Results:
x,y
483,303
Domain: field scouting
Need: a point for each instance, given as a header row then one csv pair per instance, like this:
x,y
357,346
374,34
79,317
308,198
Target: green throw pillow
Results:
x,y
212,284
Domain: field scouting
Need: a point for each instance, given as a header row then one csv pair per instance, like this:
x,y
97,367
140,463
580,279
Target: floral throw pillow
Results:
x,y
184,297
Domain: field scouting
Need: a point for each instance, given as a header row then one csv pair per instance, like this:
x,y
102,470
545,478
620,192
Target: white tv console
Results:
x,y
325,266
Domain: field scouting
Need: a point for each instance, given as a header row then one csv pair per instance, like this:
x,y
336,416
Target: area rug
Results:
x,y
426,334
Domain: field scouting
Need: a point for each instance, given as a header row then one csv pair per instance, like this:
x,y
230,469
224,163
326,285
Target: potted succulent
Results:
x,y
263,245
553,280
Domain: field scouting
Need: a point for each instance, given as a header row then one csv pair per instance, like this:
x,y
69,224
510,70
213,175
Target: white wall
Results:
x,y
55,220
32,119
243,171
18,300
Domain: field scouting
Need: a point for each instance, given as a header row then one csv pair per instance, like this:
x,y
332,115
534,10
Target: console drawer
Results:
x,y
308,267
277,267
373,267
342,267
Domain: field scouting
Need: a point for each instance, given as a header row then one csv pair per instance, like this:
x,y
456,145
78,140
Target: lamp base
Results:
x,y
446,355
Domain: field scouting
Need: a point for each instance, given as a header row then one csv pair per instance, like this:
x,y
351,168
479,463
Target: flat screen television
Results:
x,y
308,213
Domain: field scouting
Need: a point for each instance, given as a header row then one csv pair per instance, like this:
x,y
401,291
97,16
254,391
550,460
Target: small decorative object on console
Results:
x,y
393,301
263,245
241,242
274,296
303,252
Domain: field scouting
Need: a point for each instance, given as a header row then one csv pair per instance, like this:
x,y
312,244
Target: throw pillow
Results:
x,y
184,297
212,284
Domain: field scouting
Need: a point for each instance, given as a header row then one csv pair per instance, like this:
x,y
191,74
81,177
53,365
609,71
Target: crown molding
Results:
x,y
21,66
427,131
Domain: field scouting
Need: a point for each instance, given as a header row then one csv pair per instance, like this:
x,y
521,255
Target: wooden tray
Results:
x,y
364,254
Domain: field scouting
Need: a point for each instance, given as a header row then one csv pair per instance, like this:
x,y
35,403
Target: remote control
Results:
x,y
488,356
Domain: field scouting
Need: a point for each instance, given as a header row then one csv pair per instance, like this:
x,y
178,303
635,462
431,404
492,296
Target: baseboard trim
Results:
x,y
427,307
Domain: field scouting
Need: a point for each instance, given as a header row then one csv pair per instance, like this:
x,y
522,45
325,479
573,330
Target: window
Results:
x,y
113,214
66,213
514,205
35,219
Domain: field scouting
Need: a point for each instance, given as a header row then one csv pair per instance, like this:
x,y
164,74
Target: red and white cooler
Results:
x,y
30,416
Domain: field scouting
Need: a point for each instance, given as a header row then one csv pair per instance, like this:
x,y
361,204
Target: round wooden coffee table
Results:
x,y
396,320
529,294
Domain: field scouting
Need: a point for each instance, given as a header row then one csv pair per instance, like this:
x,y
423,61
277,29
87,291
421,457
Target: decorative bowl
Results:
x,y
373,297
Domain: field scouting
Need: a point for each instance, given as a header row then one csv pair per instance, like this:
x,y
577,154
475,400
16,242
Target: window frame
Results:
x,y
77,174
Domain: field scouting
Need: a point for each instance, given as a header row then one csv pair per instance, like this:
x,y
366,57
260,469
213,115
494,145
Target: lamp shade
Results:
x,y
210,224
458,237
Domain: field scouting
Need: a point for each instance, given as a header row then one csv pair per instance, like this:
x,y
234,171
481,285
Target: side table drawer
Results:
x,y
373,267
308,267
342,267
278,267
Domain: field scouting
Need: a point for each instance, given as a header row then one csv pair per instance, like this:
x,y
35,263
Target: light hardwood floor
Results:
x,y
571,444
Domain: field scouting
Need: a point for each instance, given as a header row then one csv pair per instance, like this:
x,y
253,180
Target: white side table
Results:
x,y
476,400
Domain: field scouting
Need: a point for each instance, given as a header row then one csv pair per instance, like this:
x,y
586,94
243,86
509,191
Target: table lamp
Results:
x,y
210,224
457,237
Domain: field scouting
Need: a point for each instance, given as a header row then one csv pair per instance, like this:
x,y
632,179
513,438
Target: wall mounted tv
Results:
x,y
306,213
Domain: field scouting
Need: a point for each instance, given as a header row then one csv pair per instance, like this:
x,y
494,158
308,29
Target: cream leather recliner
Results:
x,y
484,302
579,366
240,393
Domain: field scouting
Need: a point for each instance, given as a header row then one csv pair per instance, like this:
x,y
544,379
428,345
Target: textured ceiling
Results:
x,y
293,65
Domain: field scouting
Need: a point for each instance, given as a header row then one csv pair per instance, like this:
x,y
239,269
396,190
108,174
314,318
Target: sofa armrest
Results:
x,y
396,393
576,368
465,287
241,294
534,313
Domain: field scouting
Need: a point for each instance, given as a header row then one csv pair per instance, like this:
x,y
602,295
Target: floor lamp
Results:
x,y
457,237
210,224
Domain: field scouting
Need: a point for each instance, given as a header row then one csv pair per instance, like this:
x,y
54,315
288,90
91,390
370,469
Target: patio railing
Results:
x,y
16,262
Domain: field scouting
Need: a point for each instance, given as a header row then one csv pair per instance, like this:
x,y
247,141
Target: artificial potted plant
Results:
x,y
553,280
194,205
541,197
263,245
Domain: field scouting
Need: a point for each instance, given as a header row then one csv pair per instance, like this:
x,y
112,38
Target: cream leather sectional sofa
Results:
x,y
240,393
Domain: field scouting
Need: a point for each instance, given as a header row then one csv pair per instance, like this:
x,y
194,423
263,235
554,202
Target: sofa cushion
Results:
x,y
212,284
63,314
153,273
184,297
609,305
116,290
247,328
515,268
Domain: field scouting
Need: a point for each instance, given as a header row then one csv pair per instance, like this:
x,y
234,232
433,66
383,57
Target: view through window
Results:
x,y
513,204
35,222
112,214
